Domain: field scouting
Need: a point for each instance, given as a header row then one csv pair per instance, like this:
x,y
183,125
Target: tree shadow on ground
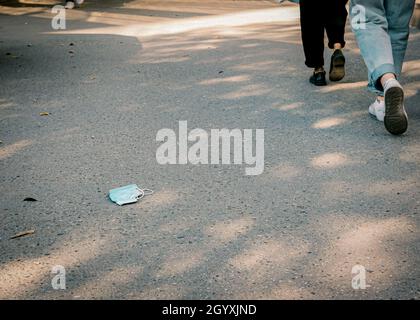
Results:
x,y
323,204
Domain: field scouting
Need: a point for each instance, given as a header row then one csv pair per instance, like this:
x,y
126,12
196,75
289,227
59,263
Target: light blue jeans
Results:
x,y
384,39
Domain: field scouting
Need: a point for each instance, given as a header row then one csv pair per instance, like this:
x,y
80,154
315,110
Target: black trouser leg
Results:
x,y
312,27
316,16
336,22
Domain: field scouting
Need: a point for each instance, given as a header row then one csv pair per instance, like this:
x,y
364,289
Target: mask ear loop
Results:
x,y
144,192
148,192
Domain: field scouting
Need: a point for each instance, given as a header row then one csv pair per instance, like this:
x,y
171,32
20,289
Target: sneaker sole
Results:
x,y
396,120
338,70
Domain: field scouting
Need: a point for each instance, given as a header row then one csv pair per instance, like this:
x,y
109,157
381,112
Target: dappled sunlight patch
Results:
x,y
375,244
18,278
343,86
288,291
106,285
233,79
121,19
276,290
176,42
351,47
159,291
368,235
264,264
160,198
411,89
252,90
411,154
233,32
350,239
330,160
285,171
329,123
414,36
156,59
268,253
381,189
4,104
177,26
181,262
288,107
230,229
190,48
19,11
411,68
257,66
250,45
9,150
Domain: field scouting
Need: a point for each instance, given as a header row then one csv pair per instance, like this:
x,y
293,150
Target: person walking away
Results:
x,y
318,17
382,37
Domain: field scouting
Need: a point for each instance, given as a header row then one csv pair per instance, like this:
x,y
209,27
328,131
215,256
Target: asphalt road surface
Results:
x,y
337,190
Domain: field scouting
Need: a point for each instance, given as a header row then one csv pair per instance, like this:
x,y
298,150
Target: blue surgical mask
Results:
x,y
128,194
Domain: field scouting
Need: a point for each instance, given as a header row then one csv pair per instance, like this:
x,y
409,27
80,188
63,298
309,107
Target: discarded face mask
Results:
x,y
128,194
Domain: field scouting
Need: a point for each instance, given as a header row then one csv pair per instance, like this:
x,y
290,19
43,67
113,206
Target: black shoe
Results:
x,y
318,79
396,120
337,69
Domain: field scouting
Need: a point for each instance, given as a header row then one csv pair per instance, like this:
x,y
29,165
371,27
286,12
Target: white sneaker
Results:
x,y
69,5
396,120
74,4
377,109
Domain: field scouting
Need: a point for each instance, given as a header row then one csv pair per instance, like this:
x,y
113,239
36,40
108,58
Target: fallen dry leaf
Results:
x,y
44,113
23,234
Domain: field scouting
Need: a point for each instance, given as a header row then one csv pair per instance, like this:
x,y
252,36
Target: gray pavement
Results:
x,y
337,189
